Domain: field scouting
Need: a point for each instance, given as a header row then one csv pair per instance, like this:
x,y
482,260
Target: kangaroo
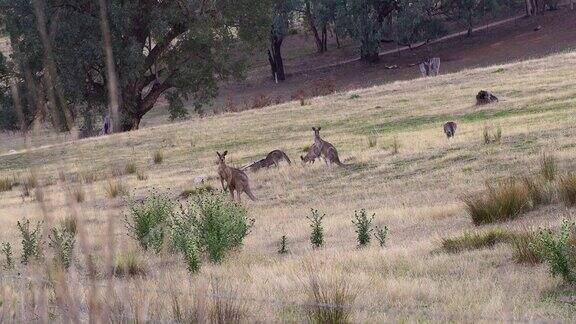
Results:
x,y
273,158
327,150
312,155
235,179
450,129
485,97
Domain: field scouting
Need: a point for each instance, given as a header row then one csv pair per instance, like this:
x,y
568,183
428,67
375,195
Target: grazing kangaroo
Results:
x,y
235,179
450,129
312,155
485,97
273,158
327,150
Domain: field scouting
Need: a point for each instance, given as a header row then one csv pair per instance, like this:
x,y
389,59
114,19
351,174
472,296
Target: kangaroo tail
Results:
x,y
286,158
249,193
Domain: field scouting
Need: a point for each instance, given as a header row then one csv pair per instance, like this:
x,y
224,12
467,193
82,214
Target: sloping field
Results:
x,y
416,193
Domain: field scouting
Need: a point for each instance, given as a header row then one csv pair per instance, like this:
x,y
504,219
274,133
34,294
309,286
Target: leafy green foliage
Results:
x,y
147,221
185,240
381,235
363,224
559,251
62,241
7,251
317,235
220,225
31,240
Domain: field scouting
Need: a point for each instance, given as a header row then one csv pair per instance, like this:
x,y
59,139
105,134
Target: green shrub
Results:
x,y
503,202
130,168
474,241
354,96
317,235
185,240
220,224
283,245
7,251
523,246
567,189
381,235
147,220
329,302
548,167
559,251
62,241
128,264
158,157
363,225
31,240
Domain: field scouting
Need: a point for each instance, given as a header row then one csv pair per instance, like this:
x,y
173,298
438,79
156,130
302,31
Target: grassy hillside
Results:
x,y
415,193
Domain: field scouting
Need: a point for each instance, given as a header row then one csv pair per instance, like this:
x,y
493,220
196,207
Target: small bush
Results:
x,y
7,251
354,96
567,189
474,241
381,235
283,245
115,188
129,264
200,190
548,167
524,248
504,202
559,251
317,235
31,240
6,184
363,225
141,175
261,101
130,168
220,224
158,157
329,303
185,240
62,241
146,221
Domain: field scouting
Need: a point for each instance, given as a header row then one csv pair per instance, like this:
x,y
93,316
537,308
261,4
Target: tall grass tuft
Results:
x,y
541,193
115,188
372,139
474,241
500,203
395,146
524,247
329,302
62,241
158,157
548,167
6,184
228,309
130,168
567,189
129,264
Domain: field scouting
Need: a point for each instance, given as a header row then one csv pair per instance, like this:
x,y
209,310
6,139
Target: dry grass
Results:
x,y
415,193
474,241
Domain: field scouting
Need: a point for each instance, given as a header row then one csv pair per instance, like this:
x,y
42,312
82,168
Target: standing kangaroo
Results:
x,y
273,158
235,179
327,150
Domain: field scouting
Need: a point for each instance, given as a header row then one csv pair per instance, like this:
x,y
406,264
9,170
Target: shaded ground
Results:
x,y
512,41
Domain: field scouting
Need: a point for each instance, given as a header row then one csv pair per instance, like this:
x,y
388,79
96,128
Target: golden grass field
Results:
x,y
415,193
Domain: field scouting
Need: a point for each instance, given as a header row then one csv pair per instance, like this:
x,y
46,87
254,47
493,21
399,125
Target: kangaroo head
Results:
x,y
316,131
222,157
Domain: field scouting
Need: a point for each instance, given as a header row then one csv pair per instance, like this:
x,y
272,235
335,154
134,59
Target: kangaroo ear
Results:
x,y
319,128
302,157
225,152
218,153
314,128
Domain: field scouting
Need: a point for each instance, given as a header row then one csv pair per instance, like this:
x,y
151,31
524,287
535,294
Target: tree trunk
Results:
x,y
337,38
275,57
325,38
312,24
529,8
